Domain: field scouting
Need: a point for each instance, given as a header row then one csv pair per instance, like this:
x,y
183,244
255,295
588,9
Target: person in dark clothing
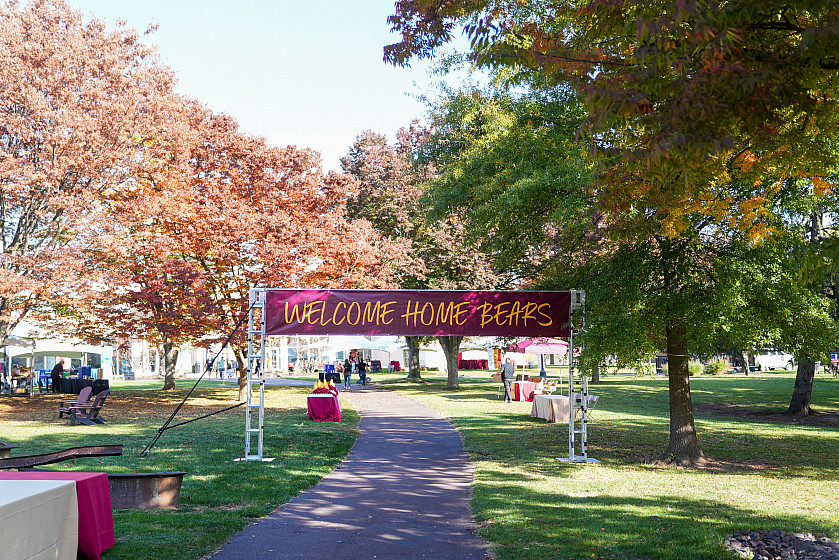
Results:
x,y
56,374
508,373
362,372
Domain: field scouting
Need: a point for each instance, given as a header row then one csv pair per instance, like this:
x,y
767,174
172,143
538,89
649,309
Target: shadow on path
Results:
x,y
403,492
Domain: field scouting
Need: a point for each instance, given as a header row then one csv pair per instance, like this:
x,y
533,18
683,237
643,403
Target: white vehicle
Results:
x,y
772,358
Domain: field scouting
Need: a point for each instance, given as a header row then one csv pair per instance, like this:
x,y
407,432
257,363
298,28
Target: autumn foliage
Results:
x,y
129,211
694,108
83,115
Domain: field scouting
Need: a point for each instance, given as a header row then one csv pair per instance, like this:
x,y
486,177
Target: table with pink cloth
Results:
x,y
473,364
96,520
324,407
523,390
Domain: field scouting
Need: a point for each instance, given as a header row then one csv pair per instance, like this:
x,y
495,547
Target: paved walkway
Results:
x,y
402,493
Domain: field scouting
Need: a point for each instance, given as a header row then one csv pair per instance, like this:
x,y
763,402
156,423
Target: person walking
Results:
x,y
347,373
508,373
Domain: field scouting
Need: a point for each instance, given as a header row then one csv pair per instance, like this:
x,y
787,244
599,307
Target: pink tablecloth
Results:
x,y
96,520
324,408
473,364
523,390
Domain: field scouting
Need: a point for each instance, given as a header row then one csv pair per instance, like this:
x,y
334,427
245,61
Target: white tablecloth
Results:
x,y
39,520
553,408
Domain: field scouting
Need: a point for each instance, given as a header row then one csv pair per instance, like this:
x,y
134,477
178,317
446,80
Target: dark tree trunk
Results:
x,y
451,346
803,389
170,360
595,373
413,343
683,448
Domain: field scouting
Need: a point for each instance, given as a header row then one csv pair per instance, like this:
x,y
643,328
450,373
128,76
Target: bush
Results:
x,y
717,367
694,367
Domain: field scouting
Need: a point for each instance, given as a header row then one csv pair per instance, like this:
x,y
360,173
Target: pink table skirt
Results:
x,y
473,364
324,408
96,520
523,390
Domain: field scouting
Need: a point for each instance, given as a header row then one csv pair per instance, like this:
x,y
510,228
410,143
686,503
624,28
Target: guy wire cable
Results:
x,y
208,367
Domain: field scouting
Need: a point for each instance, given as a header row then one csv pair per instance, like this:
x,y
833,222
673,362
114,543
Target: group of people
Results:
x,y
347,368
352,366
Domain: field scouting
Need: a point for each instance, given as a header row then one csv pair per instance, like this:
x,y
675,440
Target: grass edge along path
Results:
x,y
532,507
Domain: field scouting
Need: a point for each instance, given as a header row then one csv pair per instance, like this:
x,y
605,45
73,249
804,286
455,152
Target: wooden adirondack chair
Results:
x,y
83,398
89,413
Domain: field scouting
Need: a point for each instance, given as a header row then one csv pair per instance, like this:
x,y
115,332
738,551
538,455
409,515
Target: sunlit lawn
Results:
x,y
529,505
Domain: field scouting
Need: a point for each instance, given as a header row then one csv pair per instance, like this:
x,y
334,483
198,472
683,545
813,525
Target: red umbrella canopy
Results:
x,y
540,346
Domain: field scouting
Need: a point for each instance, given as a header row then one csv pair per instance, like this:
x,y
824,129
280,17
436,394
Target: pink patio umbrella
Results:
x,y
540,346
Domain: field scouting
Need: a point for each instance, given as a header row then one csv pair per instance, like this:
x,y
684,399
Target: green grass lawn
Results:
x,y
767,471
219,497
766,474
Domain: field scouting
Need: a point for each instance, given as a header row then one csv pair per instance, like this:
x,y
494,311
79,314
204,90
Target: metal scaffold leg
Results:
x,y
578,400
255,390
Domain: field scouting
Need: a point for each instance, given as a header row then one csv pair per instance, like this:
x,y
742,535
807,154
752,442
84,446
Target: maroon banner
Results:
x,y
418,312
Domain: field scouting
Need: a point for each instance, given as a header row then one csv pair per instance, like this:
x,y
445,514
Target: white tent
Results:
x,y
17,342
386,343
55,348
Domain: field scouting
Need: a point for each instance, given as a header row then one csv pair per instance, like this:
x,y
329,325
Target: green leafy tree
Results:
x,y
502,157
698,115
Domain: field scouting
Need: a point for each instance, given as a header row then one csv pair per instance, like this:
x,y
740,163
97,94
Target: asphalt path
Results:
x,y
403,492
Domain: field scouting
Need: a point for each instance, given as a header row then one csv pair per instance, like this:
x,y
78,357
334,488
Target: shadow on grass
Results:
x,y
595,524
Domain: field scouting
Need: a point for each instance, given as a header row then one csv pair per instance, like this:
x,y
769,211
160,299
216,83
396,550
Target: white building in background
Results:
x,y
30,348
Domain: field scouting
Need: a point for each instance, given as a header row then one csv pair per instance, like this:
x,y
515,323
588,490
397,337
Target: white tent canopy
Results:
x,y
386,343
17,342
55,348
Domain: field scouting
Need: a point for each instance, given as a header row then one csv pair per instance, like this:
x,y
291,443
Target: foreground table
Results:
x,y
553,408
324,407
96,521
39,520
523,390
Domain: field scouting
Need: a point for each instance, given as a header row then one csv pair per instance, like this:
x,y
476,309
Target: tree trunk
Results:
x,y
451,346
683,448
413,343
744,360
170,360
239,354
803,389
595,373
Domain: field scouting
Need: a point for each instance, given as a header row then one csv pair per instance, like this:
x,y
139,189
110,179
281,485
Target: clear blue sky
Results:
x,y
306,73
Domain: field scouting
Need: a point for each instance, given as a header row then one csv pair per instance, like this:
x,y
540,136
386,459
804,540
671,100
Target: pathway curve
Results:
x,y
403,492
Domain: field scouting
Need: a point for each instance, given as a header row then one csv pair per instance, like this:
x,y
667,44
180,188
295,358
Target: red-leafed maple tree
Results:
x,y
83,117
433,253
232,214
